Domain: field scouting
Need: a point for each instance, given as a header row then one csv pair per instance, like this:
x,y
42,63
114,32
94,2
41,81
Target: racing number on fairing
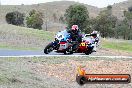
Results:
x,y
82,44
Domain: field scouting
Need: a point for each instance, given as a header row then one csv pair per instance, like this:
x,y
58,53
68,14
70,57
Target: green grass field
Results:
x,y
122,45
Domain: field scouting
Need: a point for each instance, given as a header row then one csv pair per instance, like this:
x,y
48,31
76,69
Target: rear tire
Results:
x,y
88,52
65,52
70,50
48,48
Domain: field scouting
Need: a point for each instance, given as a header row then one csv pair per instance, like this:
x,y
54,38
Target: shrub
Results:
x,y
15,18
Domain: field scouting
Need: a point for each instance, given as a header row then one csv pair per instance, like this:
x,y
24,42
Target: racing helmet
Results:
x,y
74,28
94,34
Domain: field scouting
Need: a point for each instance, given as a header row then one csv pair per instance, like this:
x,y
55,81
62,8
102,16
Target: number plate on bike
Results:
x,y
83,44
63,46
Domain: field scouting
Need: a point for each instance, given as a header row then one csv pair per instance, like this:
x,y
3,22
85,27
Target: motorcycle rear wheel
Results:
x,y
68,51
88,52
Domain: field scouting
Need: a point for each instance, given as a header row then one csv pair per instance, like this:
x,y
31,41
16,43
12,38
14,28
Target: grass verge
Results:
x,y
7,46
117,45
58,72
21,38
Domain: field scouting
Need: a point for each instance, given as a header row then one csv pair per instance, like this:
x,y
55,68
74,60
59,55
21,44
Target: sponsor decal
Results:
x,y
82,78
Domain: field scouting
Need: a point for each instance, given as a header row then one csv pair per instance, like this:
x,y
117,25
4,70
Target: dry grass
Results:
x,y
23,38
58,72
65,68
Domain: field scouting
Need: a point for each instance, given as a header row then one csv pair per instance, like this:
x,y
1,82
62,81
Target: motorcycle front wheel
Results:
x,y
48,49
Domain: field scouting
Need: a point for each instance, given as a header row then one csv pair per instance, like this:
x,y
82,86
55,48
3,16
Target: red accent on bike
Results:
x,y
82,47
62,42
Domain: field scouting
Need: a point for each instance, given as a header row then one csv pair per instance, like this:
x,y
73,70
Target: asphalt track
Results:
x,y
39,53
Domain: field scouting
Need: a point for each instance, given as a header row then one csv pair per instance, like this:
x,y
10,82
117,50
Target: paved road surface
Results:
x,y
29,53
7,52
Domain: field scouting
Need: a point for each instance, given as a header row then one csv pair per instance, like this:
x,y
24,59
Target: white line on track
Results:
x,y
69,56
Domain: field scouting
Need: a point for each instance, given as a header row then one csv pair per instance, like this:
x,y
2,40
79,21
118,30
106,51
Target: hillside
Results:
x,y
48,9
21,38
58,8
120,7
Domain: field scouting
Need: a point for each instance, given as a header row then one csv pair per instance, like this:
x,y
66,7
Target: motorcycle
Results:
x,y
93,41
61,44
64,44
86,46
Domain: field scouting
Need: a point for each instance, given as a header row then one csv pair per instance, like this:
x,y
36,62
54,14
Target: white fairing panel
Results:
x,y
62,34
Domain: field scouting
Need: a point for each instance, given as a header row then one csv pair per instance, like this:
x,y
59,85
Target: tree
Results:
x,y
32,12
61,19
128,23
105,22
91,25
128,17
34,20
124,28
55,17
130,9
77,14
109,7
15,18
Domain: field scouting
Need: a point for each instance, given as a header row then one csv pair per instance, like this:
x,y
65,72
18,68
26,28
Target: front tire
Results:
x,y
48,49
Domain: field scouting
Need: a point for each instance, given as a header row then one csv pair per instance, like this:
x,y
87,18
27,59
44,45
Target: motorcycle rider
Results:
x,y
76,36
95,37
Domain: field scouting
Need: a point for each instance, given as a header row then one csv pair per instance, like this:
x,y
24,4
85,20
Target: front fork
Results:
x,y
55,44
